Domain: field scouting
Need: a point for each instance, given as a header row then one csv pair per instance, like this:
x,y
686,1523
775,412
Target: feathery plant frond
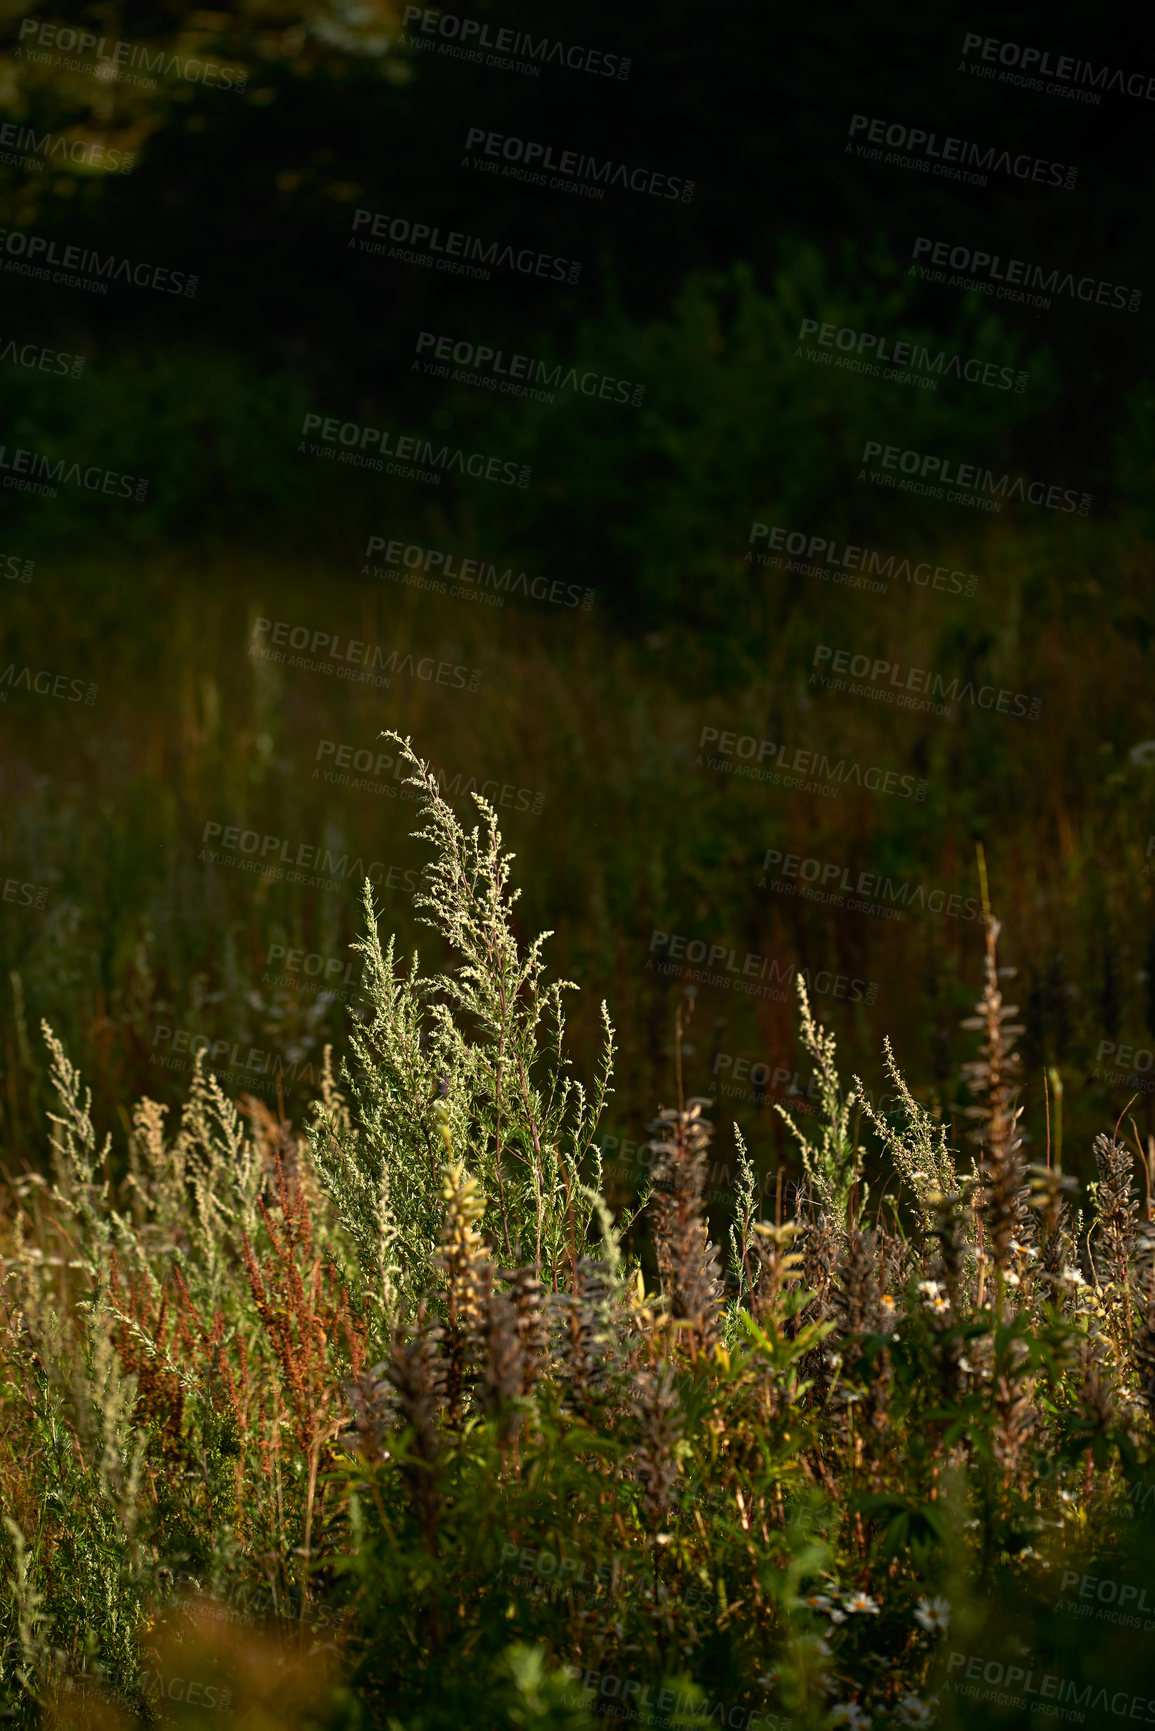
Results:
x,y
919,1150
993,1077
485,1043
742,1226
687,1260
833,1165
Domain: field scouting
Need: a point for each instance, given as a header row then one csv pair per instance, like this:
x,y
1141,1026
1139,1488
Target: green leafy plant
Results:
x,y
378,1423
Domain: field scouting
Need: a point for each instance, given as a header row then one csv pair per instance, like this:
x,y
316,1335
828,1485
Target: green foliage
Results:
x,y
379,1425
471,1057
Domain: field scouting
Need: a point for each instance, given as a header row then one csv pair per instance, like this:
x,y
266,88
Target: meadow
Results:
x,y
374,1419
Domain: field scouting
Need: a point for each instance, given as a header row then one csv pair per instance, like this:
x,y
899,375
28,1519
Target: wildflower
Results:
x,y
933,1615
912,1711
837,1616
1072,1276
860,1602
931,1288
818,1601
848,1713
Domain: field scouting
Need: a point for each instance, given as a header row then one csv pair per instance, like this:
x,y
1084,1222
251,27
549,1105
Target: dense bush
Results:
x,y
375,1423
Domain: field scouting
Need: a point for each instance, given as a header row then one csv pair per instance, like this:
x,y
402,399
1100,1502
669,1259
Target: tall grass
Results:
x,y
139,934
377,1420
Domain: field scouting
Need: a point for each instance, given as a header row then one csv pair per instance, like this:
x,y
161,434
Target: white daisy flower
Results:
x,y
912,1711
860,1602
933,1615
